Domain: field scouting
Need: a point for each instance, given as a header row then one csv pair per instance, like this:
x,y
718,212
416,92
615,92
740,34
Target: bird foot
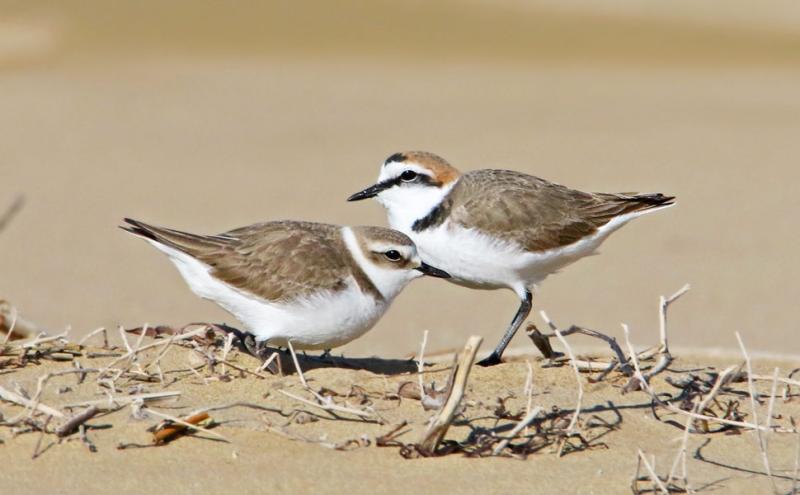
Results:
x,y
491,360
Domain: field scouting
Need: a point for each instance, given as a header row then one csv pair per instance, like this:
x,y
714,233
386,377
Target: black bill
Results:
x,y
371,191
432,271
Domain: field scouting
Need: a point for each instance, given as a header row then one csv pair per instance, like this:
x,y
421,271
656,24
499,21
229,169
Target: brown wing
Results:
x,y
273,260
535,213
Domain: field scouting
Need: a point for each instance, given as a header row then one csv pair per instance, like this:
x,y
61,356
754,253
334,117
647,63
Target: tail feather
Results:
x,y
643,202
191,244
610,206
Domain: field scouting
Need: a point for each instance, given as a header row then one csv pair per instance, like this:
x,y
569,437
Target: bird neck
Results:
x,y
412,209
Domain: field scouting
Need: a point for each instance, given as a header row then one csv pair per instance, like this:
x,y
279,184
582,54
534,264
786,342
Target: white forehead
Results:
x,y
393,169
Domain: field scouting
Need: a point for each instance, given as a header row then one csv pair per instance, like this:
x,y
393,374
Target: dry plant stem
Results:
x,y
421,366
680,458
10,396
187,424
125,338
22,328
297,365
528,390
574,420
11,211
652,473
42,381
36,451
762,442
722,379
329,406
42,339
266,363
243,370
796,465
670,407
162,352
524,423
787,381
127,355
226,348
73,423
322,402
93,333
622,361
231,405
438,428
112,402
10,330
663,306
171,431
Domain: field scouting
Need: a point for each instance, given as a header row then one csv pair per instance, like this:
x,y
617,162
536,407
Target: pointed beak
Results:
x,y
370,192
432,271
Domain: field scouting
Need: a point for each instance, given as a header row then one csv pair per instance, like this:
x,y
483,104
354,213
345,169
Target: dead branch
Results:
x,y
10,396
438,428
621,360
114,402
574,421
73,423
523,423
328,405
421,365
132,352
652,474
657,400
761,437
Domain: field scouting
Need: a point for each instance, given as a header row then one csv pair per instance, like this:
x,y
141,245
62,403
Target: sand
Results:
x,y
205,119
281,449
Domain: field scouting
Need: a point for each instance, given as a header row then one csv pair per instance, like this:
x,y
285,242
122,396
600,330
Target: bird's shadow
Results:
x,y
246,343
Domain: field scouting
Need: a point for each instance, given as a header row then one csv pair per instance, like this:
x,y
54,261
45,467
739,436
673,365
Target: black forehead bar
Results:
x,y
397,157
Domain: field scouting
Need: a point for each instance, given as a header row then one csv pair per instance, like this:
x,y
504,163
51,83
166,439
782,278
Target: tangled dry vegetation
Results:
x,y
165,379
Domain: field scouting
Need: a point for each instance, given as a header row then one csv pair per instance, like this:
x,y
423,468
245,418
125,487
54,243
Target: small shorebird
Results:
x,y
317,285
492,229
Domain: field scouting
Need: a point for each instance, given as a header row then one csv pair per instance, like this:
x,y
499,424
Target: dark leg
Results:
x,y
522,313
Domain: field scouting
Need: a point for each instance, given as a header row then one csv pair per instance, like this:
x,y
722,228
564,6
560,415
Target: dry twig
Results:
x,y
438,428
73,423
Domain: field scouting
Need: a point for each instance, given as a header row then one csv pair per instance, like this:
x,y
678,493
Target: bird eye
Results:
x,y
392,255
408,176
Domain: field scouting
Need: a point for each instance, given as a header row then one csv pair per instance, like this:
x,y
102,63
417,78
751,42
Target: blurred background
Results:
x,y
207,115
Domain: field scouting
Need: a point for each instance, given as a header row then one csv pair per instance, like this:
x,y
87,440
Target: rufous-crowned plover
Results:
x,y
315,285
492,229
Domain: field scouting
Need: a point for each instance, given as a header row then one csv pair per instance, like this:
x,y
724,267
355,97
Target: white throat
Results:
x,y
407,204
388,281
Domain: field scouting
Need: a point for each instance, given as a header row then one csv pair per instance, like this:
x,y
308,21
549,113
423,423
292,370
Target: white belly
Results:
x,y
323,320
480,261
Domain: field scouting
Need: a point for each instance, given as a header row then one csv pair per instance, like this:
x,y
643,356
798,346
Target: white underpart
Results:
x,y
323,320
478,260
